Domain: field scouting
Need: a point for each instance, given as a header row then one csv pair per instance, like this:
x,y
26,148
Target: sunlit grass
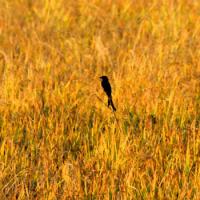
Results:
x,y
59,140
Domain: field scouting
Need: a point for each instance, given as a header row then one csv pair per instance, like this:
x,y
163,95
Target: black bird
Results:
x,y
107,89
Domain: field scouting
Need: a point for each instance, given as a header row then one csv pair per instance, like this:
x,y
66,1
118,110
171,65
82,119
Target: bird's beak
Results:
x,y
100,77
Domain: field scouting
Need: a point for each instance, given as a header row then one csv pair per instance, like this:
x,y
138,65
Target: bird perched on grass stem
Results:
x,y
107,89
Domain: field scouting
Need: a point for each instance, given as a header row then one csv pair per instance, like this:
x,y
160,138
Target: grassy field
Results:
x,y
58,138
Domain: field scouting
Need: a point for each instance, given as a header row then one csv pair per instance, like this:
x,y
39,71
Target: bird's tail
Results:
x,y
110,102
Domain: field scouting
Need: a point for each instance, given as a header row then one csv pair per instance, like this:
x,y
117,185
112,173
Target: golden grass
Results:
x,y
58,139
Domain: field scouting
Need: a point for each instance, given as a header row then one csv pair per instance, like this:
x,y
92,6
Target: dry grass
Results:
x,y
58,140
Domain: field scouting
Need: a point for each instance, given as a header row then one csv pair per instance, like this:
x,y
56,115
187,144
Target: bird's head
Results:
x,y
104,78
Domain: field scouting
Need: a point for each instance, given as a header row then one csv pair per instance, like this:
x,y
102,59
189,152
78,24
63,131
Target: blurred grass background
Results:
x,y
58,140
